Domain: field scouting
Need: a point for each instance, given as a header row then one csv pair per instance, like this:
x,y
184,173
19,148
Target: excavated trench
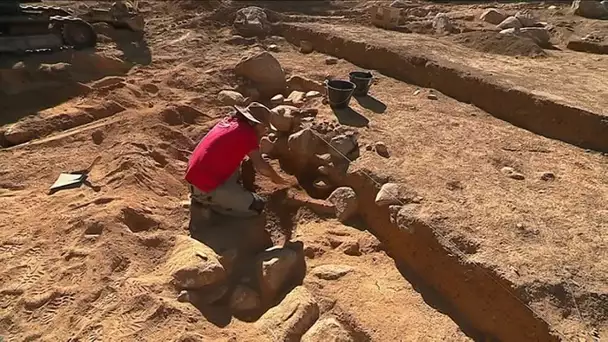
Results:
x,y
518,107
479,300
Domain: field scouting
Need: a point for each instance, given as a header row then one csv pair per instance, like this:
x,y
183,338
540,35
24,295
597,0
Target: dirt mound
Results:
x,y
503,44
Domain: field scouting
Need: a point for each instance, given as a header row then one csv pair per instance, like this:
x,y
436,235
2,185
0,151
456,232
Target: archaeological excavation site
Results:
x,y
444,167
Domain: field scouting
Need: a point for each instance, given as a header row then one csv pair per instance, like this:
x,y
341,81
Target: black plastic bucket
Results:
x,y
339,93
362,81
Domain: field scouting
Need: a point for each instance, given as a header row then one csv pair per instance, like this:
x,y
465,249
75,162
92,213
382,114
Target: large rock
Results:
x,y
244,299
328,330
289,320
442,23
275,268
393,193
283,118
526,18
331,272
493,16
192,265
345,201
252,21
589,9
303,144
510,22
230,98
539,35
265,71
343,145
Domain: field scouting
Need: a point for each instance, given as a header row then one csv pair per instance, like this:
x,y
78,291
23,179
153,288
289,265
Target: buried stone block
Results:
x,y
345,201
275,268
289,320
192,265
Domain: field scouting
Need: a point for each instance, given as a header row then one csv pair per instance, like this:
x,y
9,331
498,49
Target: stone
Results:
x,y
265,71
331,272
432,96
343,145
526,18
192,265
277,99
300,83
510,22
351,248
589,9
283,118
540,35
244,299
266,145
303,143
291,318
552,7
345,201
312,94
322,184
183,297
381,149
511,173
331,61
275,268
296,97
547,176
328,329
97,137
252,21
399,4
230,98
394,193
442,24
306,46
107,82
493,16
408,216
273,48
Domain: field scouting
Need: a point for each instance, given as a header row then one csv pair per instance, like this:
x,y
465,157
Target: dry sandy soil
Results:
x,y
474,253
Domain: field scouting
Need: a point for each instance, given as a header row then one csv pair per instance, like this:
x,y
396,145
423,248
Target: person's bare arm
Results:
x,y
264,168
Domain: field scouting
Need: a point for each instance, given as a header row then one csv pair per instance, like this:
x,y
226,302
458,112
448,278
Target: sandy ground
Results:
x,y
89,264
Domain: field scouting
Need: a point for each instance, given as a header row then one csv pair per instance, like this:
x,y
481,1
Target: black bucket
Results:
x,y
362,81
339,93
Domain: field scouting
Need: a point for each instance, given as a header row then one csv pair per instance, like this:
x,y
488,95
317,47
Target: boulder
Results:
x,y
192,265
265,71
244,299
589,9
345,201
343,145
331,272
302,144
328,330
289,320
252,21
275,268
526,18
510,22
493,16
283,118
442,23
230,98
393,193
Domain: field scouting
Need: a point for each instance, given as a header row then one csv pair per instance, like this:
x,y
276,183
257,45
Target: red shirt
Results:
x,y
220,152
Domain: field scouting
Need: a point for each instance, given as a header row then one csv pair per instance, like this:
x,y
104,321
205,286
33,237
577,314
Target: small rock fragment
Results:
x,y
183,297
511,173
343,145
230,98
331,272
345,201
493,16
328,330
431,96
244,299
418,91
306,46
351,248
277,99
273,48
381,149
322,184
97,137
312,94
547,176
331,61
393,193
296,97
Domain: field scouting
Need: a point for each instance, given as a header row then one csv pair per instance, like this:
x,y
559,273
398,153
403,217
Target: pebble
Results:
x,y
381,149
431,97
511,173
273,48
277,99
312,94
417,92
547,176
331,61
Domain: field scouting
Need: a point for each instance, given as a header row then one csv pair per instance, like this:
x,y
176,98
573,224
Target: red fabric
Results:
x,y
220,153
